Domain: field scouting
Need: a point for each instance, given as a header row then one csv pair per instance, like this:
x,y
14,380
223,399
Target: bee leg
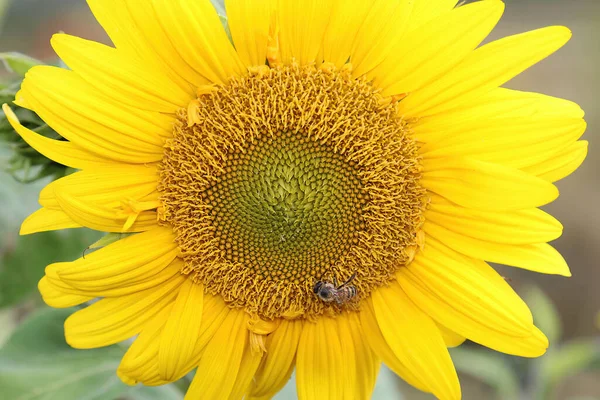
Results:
x,y
348,281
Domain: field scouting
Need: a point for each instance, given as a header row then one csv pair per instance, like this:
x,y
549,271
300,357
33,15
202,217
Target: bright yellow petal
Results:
x,y
104,199
118,288
144,367
562,164
302,26
112,320
374,337
123,263
477,184
128,37
178,340
452,339
513,142
109,186
136,365
250,362
367,363
350,374
538,257
511,227
57,298
278,363
341,33
45,219
197,34
85,117
120,77
426,10
436,47
220,362
473,286
415,339
486,68
495,104
249,22
383,26
321,365
62,152
436,299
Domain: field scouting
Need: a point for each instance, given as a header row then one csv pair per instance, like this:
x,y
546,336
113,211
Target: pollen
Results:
x,y
288,176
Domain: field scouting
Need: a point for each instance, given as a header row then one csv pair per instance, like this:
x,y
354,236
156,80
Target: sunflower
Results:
x,y
316,186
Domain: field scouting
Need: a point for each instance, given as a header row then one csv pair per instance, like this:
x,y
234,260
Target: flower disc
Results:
x,y
290,176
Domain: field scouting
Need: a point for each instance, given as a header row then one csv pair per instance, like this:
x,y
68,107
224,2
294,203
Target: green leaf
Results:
x,y
22,264
544,312
37,364
167,392
568,360
18,63
488,367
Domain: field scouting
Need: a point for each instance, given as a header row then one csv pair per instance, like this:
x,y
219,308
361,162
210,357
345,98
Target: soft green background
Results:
x,y
36,364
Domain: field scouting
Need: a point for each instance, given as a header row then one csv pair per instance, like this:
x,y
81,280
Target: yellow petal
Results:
x,y
350,374
513,142
144,367
62,152
474,287
452,339
107,186
383,26
57,298
249,22
136,365
511,227
426,10
436,47
127,261
104,199
538,257
367,363
341,33
302,27
220,363
374,337
45,219
197,34
321,366
116,288
562,163
477,184
181,331
486,68
112,320
120,77
248,367
495,104
457,317
415,339
278,363
87,118
128,37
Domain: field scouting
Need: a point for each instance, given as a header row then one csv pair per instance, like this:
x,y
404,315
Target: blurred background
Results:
x,y
36,364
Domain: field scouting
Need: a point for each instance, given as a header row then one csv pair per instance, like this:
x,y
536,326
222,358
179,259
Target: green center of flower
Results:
x,y
287,181
287,208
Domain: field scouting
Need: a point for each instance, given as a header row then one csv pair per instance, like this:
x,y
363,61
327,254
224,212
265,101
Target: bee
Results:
x,y
329,292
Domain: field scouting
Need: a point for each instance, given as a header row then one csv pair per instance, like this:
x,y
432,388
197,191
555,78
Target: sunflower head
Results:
x,y
321,191
287,176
